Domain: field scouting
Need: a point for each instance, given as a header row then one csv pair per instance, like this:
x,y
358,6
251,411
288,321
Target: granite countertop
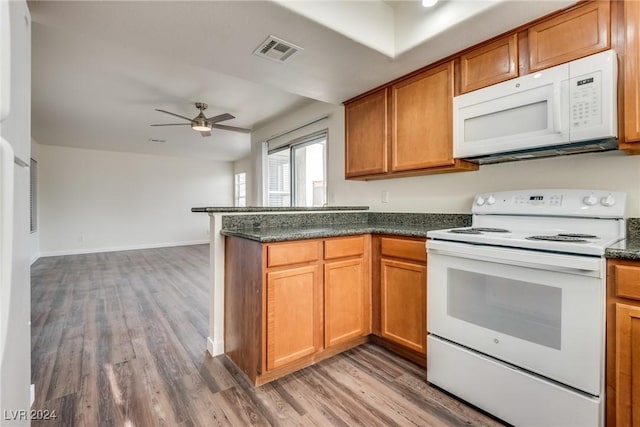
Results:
x,y
227,209
630,247
279,228
625,249
280,234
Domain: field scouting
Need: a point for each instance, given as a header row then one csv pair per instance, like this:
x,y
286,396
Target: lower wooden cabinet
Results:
x,y
295,303
400,295
403,303
346,305
623,343
294,317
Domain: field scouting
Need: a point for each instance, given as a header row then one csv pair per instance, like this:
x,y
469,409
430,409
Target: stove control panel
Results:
x,y
585,203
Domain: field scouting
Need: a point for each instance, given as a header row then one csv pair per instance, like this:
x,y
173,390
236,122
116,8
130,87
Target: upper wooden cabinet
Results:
x,y
631,76
423,120
367,137
574,34
412,134
489,64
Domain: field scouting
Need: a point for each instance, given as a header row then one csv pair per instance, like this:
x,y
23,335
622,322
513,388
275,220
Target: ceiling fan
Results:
x,y
204,124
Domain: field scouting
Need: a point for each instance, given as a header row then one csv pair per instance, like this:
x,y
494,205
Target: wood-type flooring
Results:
x,y
118,339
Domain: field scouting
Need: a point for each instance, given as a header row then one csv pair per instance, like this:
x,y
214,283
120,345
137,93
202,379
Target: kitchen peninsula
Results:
x,y
404,254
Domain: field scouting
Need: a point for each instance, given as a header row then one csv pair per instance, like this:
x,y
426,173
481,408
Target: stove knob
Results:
x,y
608,201
480,201
491,200
590,200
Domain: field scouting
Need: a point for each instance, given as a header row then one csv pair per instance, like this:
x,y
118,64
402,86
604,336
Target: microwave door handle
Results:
x,y
560,98
556,107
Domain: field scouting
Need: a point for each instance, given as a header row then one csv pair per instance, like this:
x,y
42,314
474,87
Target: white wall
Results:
x,y
246,165
454,192
92,200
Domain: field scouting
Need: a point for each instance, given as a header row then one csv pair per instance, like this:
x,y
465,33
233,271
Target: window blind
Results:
x,y
290,137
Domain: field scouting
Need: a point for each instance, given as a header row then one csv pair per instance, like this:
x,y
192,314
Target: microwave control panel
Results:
x,y
585,98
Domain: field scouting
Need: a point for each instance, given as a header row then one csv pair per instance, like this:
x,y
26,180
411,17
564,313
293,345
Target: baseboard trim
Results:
x,y
121,248
215,348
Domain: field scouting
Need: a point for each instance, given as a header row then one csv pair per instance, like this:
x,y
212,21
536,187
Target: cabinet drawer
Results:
x,y
343,247
627,281
292,253
403,248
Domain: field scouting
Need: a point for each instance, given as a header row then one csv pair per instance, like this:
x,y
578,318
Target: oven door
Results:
x,y
539,311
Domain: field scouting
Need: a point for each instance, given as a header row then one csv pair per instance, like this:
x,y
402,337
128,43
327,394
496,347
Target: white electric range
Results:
x,y
516,305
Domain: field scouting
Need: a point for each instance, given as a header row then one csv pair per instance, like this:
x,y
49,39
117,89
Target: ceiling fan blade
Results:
x,y
220,118
173,124
206,133
174,114
232,128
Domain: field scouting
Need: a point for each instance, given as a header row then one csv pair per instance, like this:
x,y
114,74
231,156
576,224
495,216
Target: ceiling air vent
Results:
x,y
276,49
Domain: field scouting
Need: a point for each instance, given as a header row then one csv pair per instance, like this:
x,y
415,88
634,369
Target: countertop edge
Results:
x,y
223,209
311,233
628,249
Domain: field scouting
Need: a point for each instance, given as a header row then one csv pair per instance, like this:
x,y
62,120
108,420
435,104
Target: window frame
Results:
x,y
236,196
291,146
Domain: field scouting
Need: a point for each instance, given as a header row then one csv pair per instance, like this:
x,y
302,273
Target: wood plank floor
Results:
x,y
118,339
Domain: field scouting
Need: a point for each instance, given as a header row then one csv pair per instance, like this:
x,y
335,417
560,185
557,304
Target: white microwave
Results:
x,y
567,109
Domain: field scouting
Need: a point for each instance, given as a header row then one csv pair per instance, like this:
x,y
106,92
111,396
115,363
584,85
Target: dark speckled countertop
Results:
x,y
317,225
630,247
257,209
279,234
283,228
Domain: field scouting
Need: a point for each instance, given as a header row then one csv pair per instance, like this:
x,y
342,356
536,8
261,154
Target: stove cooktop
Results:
x,y
541,239
572,221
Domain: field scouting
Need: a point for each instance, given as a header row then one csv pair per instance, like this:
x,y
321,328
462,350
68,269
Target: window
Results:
x,y
240,189
33,195
296,172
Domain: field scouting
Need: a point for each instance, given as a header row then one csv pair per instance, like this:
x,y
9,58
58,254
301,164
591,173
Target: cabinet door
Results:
x,y
489,64
627,360
632,74
404,303
294,298
346,301
366,138
422,120
577,33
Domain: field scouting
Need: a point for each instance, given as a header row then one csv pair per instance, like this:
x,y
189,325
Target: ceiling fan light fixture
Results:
x,y
200,126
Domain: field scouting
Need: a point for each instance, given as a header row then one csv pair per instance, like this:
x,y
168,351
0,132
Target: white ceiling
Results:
x,y
101,68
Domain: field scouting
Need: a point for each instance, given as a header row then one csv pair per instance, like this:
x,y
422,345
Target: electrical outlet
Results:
x,y
385,196
82,237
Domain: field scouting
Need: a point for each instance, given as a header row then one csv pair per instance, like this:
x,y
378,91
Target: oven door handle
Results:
x,y
575,264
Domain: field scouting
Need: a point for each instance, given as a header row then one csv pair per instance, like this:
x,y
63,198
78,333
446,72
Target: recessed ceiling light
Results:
x,y
429,3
